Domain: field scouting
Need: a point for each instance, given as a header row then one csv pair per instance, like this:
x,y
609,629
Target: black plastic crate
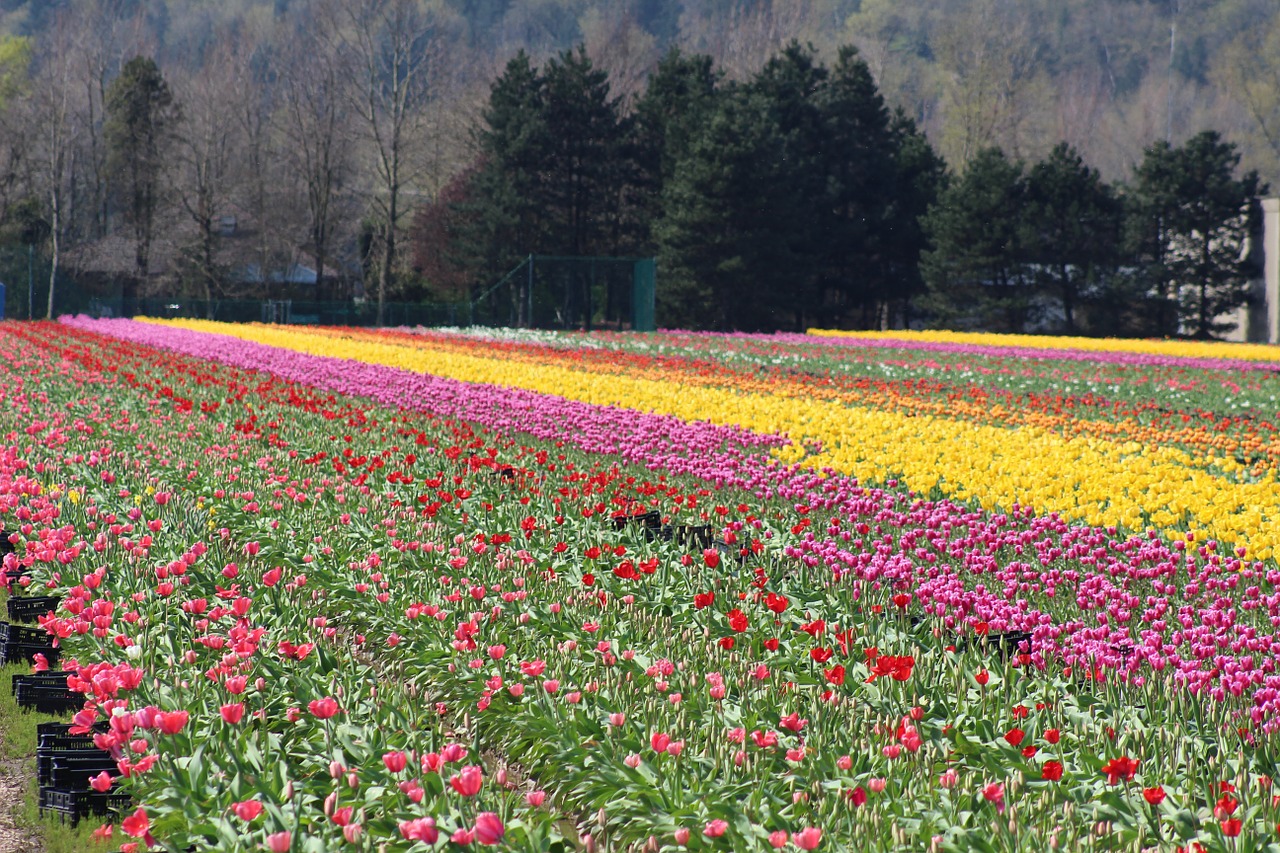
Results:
x,y
23,634
651,520
64,742
49,700
56,677
75,805
46,692
31,608
692,535
71,770
11,652
58,735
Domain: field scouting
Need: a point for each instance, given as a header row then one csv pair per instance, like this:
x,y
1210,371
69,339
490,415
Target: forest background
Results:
x,y
365,142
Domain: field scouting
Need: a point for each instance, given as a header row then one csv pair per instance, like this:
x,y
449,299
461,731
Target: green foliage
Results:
x,y
549,178
140,115
680,91
723,262
1189,218
580,173
841,186
1071,228
15,67
24,224
974,268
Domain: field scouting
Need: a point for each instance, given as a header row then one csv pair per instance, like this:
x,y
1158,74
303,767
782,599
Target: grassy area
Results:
x,y
18,743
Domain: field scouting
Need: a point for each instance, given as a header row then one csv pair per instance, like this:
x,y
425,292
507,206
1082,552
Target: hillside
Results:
x,y
1108,76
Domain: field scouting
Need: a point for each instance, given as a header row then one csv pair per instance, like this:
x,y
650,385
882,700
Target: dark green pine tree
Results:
x,y
140,117
500,221
787,92
680,92
919,177
723,265
975,269
581,175
1071,228
1189,220
853,201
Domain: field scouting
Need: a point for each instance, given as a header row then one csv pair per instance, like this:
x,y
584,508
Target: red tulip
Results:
x,y
489,829
715,828
1051,771
233,712
137,824
1155,795
467,781
323,709
1121,768
422,829
247,809
172,722
101,783
792,722
395,761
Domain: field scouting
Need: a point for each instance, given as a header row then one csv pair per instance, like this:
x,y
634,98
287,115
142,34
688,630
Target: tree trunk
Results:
x,y
54,245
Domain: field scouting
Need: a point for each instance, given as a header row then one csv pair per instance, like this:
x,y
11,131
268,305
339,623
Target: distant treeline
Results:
x,y
394,150
796,198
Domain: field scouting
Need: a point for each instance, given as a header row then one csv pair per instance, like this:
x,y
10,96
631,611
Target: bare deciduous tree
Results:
x,y
316,128
388,51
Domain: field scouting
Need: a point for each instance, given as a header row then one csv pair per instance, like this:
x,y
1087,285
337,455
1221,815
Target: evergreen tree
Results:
x,y
581,174
975,270
853,189
723,264
681,90
920,175
140,115
1189,221
1071,227
786,91
498,220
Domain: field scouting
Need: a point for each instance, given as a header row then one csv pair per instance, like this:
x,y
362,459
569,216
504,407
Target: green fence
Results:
x,y
554,292
287,311
543,291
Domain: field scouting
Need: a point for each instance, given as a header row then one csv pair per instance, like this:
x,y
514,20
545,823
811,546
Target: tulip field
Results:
x,y
331,589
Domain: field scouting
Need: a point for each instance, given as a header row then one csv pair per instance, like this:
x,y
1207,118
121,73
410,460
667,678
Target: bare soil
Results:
x,y
14,837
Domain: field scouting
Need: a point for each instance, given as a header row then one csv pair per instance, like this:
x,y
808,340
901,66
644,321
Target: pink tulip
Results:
x,y
489,829
808,838
279,842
